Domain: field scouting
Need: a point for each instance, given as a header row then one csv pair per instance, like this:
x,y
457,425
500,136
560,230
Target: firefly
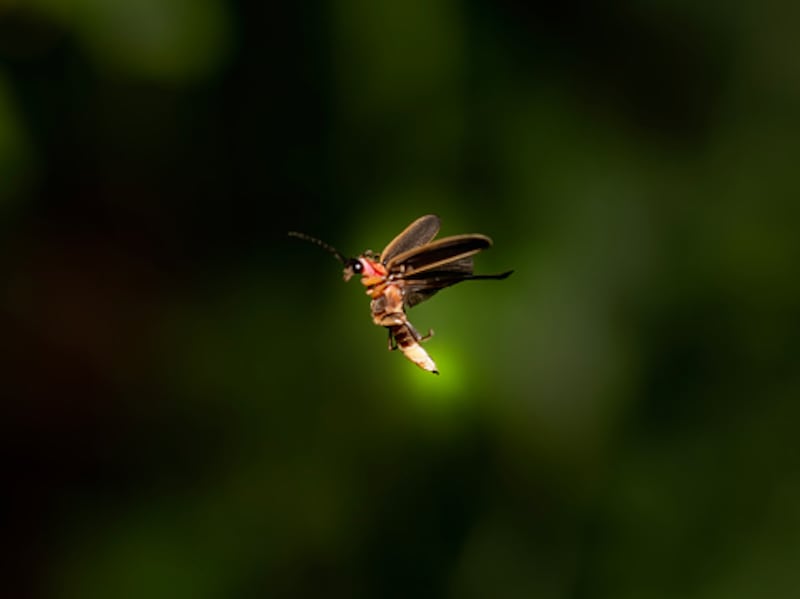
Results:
x,y
409,270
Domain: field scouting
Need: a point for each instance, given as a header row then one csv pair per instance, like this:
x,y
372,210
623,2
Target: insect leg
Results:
x,y
392,340
417,337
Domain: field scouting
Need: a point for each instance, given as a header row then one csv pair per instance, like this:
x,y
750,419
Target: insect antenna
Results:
x,y
328,248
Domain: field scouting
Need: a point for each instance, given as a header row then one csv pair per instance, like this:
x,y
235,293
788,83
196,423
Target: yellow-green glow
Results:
x,y
450,386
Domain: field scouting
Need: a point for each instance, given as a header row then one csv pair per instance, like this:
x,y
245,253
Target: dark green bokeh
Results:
x,y
196,405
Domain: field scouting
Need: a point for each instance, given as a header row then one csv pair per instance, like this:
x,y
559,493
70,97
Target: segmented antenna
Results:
x,y
328,248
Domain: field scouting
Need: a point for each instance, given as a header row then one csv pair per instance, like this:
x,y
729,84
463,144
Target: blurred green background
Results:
x,y
195,406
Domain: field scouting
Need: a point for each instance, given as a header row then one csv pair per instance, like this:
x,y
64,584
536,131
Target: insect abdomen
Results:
x,y
412,349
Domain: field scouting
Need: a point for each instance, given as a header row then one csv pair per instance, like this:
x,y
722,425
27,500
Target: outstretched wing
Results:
x,y
442,263
418,233
426,284
417,291
439,254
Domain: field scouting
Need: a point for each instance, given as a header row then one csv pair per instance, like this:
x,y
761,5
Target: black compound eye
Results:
x,y
355,265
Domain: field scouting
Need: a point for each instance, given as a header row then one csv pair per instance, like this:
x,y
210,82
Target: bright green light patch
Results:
x,y
449,388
